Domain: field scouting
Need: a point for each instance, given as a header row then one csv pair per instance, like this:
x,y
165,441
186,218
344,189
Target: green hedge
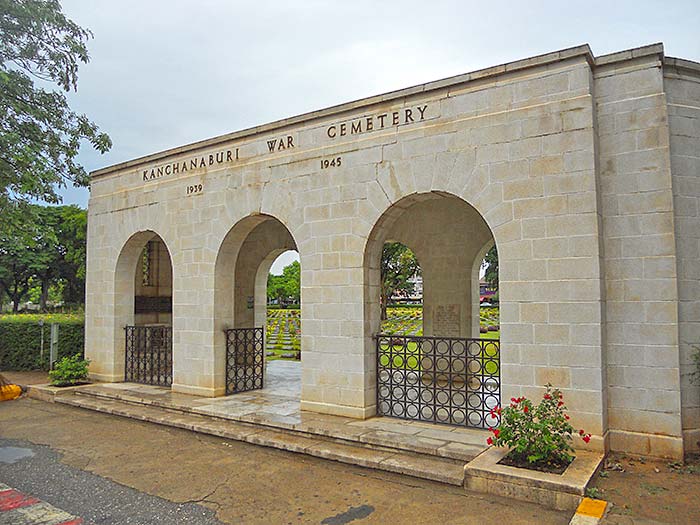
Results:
x,y
20,340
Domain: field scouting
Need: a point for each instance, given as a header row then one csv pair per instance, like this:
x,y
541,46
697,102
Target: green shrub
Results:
x,y
537,433
69,371
20,339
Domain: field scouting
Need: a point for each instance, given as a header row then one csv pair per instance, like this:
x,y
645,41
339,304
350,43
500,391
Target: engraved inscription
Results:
x,y
280,144
331,163
376,122
183,166
446,320
194,188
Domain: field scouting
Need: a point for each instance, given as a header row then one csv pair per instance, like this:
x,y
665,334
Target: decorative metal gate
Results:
x,y
439,379
149,355
245,359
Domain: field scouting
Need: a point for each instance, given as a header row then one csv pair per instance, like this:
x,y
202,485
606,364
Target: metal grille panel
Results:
x,y
245,359
439,379
149,355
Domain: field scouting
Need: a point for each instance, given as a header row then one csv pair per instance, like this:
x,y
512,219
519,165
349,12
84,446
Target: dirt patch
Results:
x,y
649,489
33,377
520,461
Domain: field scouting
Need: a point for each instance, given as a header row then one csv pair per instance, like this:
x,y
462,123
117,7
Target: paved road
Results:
x,y
118,471
37,471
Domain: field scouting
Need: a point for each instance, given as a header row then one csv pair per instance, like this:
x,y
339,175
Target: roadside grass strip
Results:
x,y
17,508
589,512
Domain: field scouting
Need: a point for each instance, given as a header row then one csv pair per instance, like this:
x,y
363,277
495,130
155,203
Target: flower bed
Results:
x,y
539,435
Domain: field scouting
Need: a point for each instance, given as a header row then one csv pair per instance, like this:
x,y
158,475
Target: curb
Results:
x,y
589,512
21,509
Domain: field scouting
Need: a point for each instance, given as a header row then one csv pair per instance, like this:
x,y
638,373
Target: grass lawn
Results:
x,y
48,318
408,320
284,327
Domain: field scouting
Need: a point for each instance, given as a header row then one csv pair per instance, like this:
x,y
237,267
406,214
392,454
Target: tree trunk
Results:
x,y
44,294
382,303
15,305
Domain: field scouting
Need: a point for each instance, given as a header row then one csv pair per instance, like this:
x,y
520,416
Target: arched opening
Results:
x,y
143,309
243,330
401,293
447,374
282,280
485,297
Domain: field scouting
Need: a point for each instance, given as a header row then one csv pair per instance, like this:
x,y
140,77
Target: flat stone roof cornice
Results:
x,y
539,60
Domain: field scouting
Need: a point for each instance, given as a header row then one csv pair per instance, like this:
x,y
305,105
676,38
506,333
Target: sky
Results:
x,y
164,73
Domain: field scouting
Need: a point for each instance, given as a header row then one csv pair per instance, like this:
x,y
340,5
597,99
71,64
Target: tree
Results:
x,y
16,262
275,288
40,135
46,252
285,287
398,266
72,237
292,281
46,262
491,266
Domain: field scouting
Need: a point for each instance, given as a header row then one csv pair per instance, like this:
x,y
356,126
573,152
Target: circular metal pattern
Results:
x,y
458,399
459,417
438,379
474,366
474,401
148,355
442,414
412,411
245,361
412,394
441,346
475,419
442,364
458,366
426,413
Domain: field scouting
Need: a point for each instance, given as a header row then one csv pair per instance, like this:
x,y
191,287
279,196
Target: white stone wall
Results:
x,y
682,86
570,173
640,264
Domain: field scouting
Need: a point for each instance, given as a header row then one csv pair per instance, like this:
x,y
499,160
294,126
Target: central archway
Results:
x,y
449,374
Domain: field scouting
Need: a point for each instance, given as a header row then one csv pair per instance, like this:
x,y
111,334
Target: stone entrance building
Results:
x,y
583,170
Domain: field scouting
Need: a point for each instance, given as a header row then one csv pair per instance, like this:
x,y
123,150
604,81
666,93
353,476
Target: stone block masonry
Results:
x,y
584,171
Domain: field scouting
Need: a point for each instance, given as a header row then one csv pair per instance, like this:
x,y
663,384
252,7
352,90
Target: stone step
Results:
x,y
462,452
422,466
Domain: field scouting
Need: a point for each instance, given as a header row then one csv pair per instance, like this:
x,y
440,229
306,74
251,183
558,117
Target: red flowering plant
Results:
x,y
539,435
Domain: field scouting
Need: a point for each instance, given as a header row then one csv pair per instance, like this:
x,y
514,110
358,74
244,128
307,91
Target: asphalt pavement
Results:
x,y
37,471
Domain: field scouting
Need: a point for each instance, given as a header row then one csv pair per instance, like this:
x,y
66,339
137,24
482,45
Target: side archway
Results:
x,y
143,302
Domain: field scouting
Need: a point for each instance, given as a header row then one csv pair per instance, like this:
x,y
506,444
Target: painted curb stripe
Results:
x,y
592,507
11,500
40,514
589,512
19,509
